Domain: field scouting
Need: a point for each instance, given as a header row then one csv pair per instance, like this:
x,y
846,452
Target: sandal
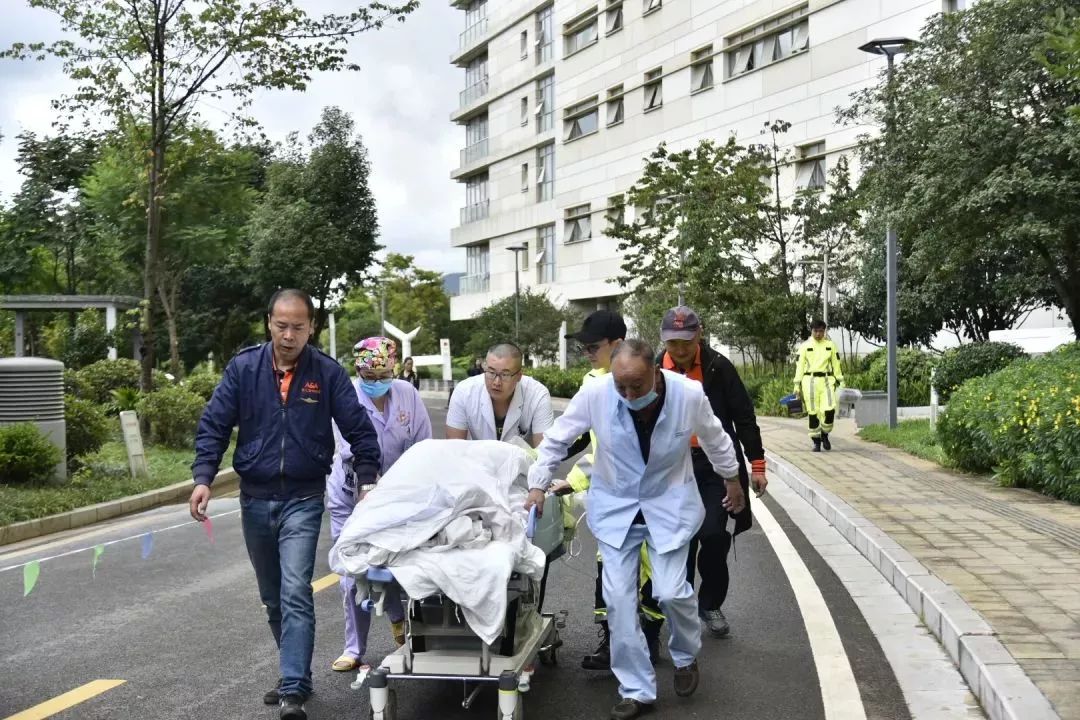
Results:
x,y
345,663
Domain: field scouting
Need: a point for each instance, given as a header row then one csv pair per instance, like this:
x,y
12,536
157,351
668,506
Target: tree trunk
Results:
x,y
168,304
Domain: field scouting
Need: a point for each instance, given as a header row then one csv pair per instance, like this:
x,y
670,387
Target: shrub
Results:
x,y
99,379
173,413
124,399
1023,422
770,394
26,455
74,384
202,384
870,358
912,374
87,428
560,383
971,361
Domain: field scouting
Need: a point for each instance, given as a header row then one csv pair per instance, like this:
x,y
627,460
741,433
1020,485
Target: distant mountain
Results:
x,y
451,283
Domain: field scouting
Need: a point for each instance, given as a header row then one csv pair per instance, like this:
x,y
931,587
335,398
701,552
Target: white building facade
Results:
x,y
563,101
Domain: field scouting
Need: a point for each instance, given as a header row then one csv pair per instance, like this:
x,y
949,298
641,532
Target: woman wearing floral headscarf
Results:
x,y
401,421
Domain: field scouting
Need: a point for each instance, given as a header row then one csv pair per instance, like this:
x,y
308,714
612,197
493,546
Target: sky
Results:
x,y
401,100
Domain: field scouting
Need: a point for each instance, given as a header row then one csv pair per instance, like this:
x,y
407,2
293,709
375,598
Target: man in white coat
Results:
x,y
643,492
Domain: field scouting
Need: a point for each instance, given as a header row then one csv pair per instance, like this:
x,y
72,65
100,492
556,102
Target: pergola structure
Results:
x,y
22,304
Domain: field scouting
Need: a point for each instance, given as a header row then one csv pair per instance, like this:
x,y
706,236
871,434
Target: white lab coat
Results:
x,y
664,491
529,412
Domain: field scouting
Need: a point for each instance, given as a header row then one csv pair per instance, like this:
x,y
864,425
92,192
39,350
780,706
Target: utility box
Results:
x,y
872,408
32,390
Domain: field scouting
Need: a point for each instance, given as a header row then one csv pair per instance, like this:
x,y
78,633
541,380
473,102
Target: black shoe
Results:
x,y
817,444
273,697
715,622
651,628
629,708
292,708
686,679
825,441
601,657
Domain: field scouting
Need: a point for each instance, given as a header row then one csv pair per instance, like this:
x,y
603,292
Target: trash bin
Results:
x,y
846,401
872,408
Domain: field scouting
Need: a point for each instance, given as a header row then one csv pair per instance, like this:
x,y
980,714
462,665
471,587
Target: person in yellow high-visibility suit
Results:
x,y
601,332
818,378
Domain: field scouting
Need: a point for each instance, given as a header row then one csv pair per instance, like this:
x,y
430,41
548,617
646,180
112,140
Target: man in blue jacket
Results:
x,y
283,395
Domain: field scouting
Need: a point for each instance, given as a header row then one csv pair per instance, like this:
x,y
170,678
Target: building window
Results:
x,y
577,226
581,32
524,111
545,103
476,199
524,44
476,80
545,30
811,167
582,119
769,42
545,260
524,177
545,172
651,6
476,269
613,19
616,212
615,105
654,96
954,5
476,140
701,74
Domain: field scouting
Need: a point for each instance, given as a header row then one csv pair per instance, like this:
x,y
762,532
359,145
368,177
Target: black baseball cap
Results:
x,y
600,325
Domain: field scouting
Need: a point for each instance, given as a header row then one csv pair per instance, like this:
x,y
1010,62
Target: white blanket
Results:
x,y
449,518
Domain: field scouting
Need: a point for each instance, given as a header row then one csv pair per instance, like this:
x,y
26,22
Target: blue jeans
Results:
x,y
281,538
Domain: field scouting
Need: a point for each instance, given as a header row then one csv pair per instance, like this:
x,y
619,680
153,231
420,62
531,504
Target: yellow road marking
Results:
x,y
325,582
67,700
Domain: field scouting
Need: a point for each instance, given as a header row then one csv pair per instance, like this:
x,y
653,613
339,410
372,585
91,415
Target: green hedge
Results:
x,y
26,456
202,384
87,428
560,383
912,374
173,413
97,381
970,361
1022,422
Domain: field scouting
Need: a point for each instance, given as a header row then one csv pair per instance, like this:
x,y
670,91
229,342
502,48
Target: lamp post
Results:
x,y
517,287
890,48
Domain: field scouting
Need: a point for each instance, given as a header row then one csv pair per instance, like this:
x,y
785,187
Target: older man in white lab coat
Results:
x,y
643,492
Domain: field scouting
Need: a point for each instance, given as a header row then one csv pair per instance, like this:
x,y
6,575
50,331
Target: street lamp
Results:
x,y
517,286
672,200
890,48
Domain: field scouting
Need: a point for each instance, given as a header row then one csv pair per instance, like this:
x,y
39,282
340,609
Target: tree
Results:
x,y
316,225
148,63
979,174
204,204
539,328
415,297
716,219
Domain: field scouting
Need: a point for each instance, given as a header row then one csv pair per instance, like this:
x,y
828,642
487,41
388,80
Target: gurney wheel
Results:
x,y
390,713
549,658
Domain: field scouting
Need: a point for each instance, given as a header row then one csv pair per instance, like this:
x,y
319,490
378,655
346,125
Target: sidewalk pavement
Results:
x,y
1011,555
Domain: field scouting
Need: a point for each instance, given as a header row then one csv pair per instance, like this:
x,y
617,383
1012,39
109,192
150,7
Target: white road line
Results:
x,y
839,692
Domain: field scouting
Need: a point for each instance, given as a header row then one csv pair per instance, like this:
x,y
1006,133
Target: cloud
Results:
x,y
400,99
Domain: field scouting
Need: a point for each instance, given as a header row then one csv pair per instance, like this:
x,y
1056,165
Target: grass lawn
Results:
x,y
105,477
911,436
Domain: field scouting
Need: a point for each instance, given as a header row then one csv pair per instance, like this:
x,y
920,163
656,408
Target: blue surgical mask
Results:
x,y
641,402
375,388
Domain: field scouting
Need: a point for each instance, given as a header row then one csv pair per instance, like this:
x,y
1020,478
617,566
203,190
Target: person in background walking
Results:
x,y
401,420
408,373
818,378
477,368
688,354
285,397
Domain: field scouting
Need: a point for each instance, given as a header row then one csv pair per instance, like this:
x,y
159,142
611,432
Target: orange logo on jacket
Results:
x,y
310,388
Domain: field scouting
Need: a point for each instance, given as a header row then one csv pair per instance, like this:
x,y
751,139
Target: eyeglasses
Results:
x,y
504,376
590,348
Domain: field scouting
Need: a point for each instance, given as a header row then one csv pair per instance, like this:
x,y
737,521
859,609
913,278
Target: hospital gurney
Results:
x,y
440,646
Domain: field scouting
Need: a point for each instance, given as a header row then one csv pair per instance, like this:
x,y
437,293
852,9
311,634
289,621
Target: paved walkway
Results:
x,y
1012,555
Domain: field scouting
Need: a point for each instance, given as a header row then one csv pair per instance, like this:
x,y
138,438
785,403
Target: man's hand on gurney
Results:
x,y
536,497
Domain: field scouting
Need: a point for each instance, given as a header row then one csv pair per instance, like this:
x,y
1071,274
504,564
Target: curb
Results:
x,y
1003,688
225,481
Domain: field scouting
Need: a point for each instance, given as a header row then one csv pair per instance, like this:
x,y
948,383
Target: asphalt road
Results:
x,y
185,631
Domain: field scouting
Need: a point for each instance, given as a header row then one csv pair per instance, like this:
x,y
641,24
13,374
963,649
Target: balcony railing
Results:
x,y
473,284
472,213
474,92
474,152
473,33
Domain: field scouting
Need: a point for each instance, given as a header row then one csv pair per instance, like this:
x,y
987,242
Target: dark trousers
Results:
x,y
709,548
